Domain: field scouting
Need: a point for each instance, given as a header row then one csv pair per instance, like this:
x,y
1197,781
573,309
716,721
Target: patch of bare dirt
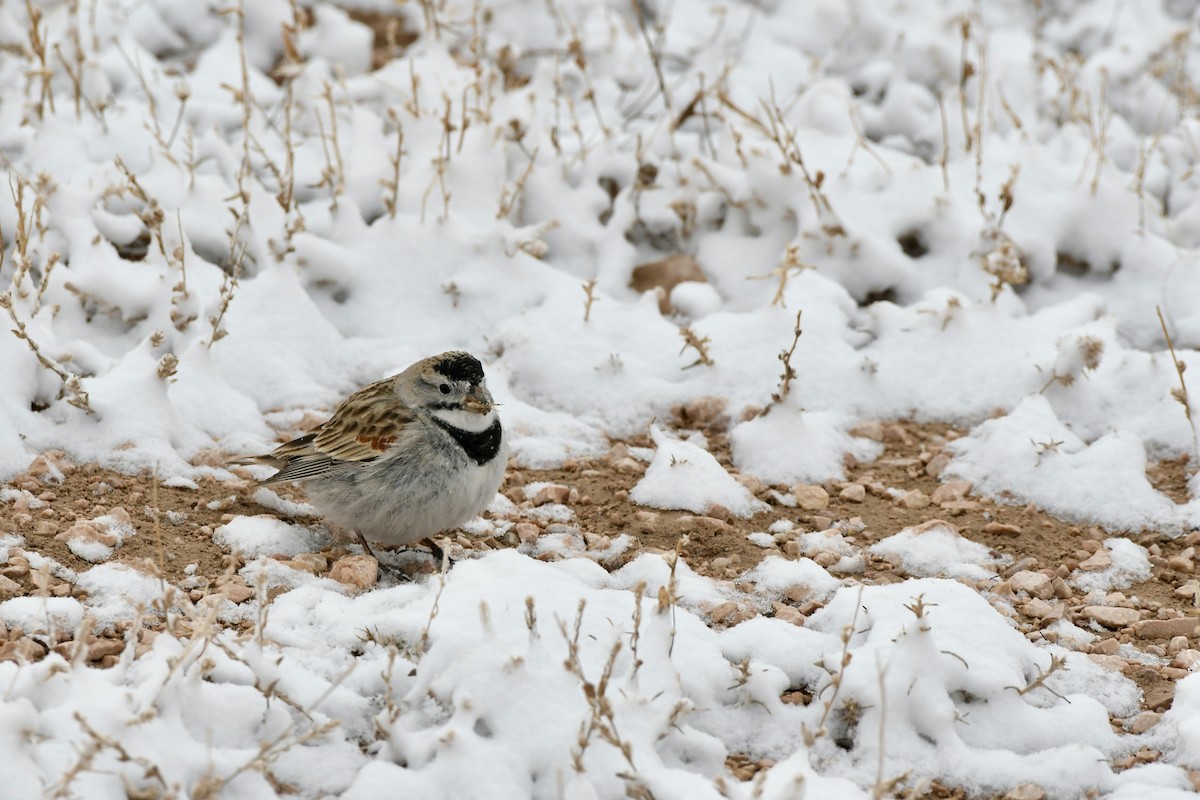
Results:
x,y
903,487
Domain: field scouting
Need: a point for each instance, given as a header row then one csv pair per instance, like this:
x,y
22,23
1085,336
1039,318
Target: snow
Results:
x,y
265,535
1007,253
937,550
685,476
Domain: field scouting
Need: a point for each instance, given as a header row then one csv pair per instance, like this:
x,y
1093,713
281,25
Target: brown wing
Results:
x,y
361,429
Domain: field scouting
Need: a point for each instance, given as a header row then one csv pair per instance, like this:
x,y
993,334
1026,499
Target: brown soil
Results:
x,y
174,528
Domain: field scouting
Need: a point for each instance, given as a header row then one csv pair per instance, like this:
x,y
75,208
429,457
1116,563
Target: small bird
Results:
x,y
405,457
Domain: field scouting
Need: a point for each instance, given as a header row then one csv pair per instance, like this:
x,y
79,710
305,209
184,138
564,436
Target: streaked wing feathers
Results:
x,y
361,429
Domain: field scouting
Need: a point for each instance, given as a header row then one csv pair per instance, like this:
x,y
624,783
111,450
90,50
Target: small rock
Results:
x,y
527,532
1101,560
810,497
1034,584
645,521
1187,658
705,523
1177,645
313,562
1026,791
916,499
1144,721
1181,564
854,493
24,649
895,434
797,593
872,429
86,531
937,464
47,467
956,507
788,614
361,572
554,493
718,511
826,559
755,485
821,523
1112,616
951,491
1037,608
1159,697
104,647
792,549
1114,663
723,612
1106,647
1165,628
1002,529
9,588
236,591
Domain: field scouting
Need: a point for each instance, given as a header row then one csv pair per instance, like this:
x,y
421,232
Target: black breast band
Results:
x,y
480,447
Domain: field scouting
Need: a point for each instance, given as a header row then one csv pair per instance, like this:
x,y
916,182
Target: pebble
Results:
x,y
1037,608
951,491
1165,628
717,511
527,532
1002,529
87,532
1186,658
22,650
1101,560
1159,697
360,572
788,614
236,591
1181,564
9,588
554,493
723,612
871,429
916,499
1034,584
1026,791
854,493
1144,721
104,647
1112,617
810,497
937,464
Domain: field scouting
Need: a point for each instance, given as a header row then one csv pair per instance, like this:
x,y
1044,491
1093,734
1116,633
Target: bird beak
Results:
x,y
479,401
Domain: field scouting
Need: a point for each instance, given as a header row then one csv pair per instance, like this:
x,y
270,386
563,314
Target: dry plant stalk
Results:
x,y
789,372
810,736
391,185
589,291
602,722
1181,393
783,273
699,344
1056,663
509,200
71,382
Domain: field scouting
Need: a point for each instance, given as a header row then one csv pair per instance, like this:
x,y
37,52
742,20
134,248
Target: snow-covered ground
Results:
x,y
222,218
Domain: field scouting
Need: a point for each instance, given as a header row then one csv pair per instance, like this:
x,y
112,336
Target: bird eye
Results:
x,y
445,388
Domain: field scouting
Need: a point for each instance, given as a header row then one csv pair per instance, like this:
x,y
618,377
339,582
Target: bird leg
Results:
x,y
439,555
366,547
